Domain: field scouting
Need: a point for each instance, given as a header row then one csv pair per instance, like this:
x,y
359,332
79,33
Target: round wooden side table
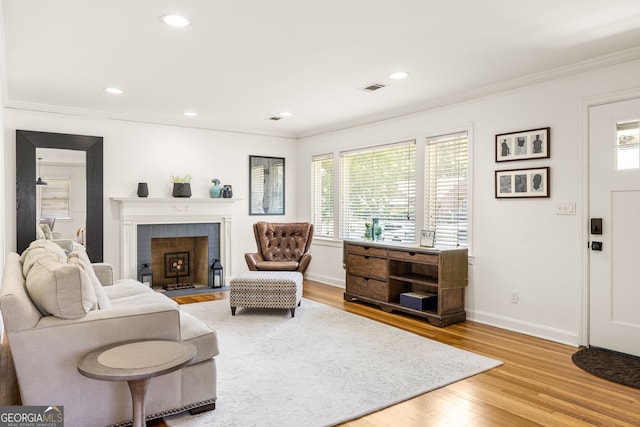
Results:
x,y
136,362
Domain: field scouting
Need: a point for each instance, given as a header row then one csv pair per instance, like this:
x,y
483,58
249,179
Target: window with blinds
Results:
x,y
379,183
446,179
322,195
54,198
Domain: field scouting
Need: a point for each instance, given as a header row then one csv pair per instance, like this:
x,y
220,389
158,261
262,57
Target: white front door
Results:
x,y
614,197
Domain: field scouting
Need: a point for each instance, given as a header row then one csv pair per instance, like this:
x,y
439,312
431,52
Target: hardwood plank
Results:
x,y
538,384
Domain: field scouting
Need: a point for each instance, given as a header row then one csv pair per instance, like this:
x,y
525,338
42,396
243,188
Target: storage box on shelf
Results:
x,y
379,273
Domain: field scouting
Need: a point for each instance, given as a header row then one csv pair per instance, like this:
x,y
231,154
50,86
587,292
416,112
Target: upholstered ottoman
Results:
x,y
266,289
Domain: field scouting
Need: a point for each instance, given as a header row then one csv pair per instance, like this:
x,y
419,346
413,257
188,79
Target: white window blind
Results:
x,y
446,198
322,195
379,182
54,200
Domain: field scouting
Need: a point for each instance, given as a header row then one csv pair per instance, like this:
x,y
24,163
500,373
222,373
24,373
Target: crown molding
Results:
x,y
604,61
133,118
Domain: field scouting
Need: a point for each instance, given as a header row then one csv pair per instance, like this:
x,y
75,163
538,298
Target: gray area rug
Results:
x,y
323,367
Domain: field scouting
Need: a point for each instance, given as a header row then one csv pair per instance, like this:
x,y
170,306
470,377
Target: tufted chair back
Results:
x,y
281,246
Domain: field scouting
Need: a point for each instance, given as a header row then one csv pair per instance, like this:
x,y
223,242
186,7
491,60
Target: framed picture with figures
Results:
x,y
523,145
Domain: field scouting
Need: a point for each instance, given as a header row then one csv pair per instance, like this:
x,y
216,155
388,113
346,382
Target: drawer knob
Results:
x,y
412,253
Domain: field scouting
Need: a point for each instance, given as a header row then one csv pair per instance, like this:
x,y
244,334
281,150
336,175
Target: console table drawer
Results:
x,y
370,288
367,266
366,250
415,257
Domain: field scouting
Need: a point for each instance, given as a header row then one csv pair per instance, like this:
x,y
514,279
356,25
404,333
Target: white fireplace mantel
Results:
x,y
135,211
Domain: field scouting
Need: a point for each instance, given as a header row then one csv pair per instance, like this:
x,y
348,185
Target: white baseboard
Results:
x,y
339,282
532,329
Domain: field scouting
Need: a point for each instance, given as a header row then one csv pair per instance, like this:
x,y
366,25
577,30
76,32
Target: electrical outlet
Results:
x,y
514,297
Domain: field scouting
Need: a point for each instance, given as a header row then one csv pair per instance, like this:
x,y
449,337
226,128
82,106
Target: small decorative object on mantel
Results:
x,y
143,189
181,185
227,192
215,191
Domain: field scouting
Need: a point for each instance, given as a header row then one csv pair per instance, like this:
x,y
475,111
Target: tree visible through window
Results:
x,y
379,183
322,195
446,182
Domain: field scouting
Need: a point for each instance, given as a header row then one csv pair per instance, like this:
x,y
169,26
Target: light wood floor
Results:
x,y
538,385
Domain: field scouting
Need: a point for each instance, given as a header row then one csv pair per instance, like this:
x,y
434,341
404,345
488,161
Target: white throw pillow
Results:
x,y
39,233
46,230
60,289
37,249
80,257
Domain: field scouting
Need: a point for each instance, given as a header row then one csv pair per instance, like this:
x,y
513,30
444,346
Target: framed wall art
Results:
x,y
427,238
266,185
521,183
523,145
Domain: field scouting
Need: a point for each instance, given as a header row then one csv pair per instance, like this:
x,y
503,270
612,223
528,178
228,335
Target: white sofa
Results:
x,y
56,309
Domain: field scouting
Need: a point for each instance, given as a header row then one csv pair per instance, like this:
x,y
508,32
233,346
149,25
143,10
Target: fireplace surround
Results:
x,y
136,211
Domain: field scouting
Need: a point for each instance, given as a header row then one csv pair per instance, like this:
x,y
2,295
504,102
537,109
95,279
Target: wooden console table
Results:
x,y
379,272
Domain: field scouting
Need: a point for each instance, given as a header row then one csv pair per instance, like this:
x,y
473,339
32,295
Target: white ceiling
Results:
x,y
243,61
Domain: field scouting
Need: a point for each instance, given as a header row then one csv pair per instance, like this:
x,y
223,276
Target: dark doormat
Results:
x,y
610,365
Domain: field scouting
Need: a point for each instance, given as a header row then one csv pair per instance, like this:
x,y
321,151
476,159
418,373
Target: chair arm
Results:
x,y
252,260
303,264
104,272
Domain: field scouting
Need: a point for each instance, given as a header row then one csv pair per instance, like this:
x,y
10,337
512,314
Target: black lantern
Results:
x,y
216,277
145,275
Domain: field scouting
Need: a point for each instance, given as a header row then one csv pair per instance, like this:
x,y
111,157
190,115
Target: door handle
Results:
x,y
596,246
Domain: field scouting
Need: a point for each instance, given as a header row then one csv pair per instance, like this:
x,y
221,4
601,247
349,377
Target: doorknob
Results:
x,y
596,246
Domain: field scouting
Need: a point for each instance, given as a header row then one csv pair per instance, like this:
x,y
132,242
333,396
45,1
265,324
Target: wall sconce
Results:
x,y
145,275
216,276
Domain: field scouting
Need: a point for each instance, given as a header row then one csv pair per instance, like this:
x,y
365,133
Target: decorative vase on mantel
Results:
x,y
216,190
181,189
143,189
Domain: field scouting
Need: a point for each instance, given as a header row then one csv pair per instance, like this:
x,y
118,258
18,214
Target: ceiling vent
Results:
x,y
373,87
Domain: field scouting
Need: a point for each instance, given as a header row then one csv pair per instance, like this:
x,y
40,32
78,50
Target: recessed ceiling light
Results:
x,y
190,114
176,20
284,114
114,90
399,75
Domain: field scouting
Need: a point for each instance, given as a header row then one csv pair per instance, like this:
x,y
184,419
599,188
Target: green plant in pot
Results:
x,y
181,185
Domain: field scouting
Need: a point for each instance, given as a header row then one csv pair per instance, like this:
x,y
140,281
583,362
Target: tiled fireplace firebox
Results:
x,y
200,241
195,215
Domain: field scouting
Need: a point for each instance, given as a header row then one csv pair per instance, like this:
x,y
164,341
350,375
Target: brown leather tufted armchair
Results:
x,y
281,247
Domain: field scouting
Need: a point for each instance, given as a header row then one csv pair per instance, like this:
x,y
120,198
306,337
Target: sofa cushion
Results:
x,y
80,257
126,287
200,335
130,292
60,289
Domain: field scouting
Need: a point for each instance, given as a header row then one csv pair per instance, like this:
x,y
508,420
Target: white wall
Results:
x,y
516,244
135,152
